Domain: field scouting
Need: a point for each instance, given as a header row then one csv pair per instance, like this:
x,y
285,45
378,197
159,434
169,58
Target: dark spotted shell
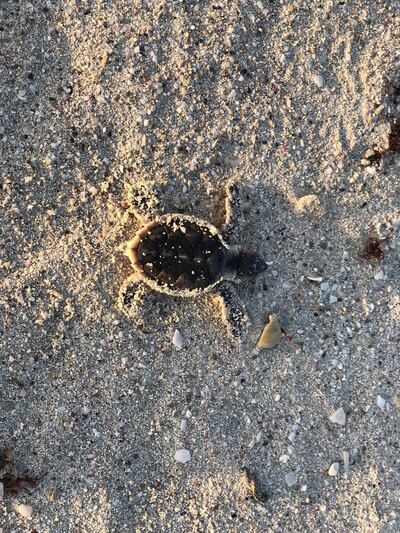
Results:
x,y
179,254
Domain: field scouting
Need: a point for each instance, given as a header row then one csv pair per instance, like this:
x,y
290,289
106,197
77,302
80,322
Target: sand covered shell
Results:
x,y
271,335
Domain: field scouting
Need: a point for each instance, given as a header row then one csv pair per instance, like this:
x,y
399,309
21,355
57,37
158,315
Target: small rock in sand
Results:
x,y
1,491
182,456
338,417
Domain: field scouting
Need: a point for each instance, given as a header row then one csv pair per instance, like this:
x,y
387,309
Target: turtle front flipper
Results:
x,y
232,211
232,310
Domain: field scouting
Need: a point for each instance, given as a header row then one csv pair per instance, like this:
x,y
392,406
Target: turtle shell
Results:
x,y
179,254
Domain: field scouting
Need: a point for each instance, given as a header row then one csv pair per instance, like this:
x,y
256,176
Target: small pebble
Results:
x,y
183,425
381,402
177,339
291,479
182,456
338,417
334,469
24,510
1,491
271,334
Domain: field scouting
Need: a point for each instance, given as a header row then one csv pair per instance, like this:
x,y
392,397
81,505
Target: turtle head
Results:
x,y
250,264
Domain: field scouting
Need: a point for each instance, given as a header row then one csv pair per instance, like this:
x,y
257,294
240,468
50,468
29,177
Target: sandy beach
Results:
x,y
109,102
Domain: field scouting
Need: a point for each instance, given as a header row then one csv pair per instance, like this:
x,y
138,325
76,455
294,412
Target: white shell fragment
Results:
x,y
380,275
346,461
291,479
271,334
333,469
381,402
338,417
317,279
318,80
182,456
24,510
177,339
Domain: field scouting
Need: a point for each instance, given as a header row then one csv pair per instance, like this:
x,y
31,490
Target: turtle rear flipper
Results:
x,y
232,310
142,305
133,296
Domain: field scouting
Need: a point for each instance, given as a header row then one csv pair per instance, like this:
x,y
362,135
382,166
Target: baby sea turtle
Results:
x,y
182,255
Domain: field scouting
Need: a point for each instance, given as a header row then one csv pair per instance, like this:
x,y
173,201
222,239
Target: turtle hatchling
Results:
x,y
182,255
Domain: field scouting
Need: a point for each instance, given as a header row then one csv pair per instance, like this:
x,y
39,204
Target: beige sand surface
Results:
x,y
108,101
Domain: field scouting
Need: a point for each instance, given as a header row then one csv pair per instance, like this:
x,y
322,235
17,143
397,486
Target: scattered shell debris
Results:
x,y
182,456
114,116
333,469
338,417
271,335
177,340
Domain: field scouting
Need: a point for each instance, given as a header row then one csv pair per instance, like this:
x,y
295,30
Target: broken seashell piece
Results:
x,y
272,333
